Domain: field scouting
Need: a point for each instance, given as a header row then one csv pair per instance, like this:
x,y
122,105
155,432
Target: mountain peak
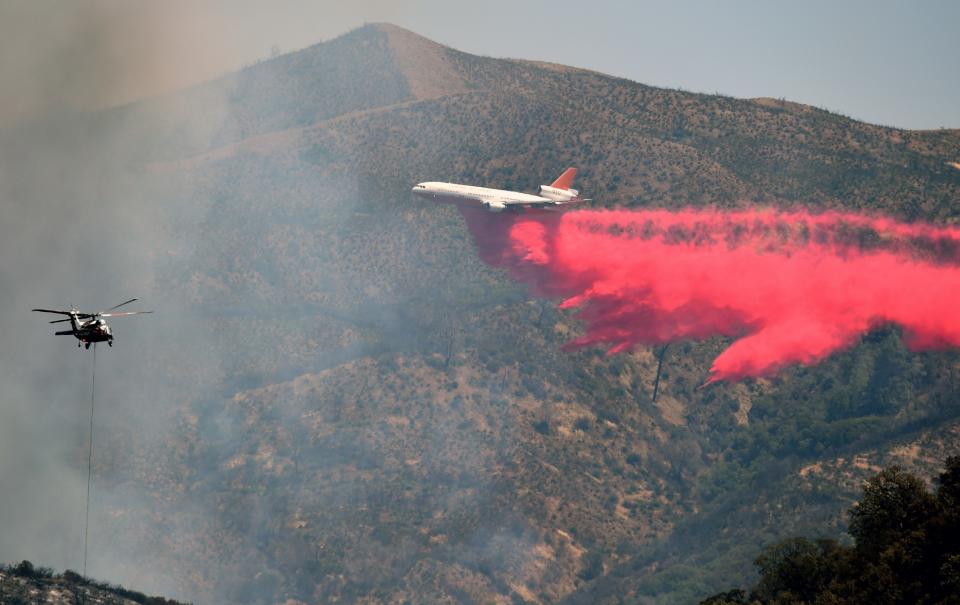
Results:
x,y
390,28
425,64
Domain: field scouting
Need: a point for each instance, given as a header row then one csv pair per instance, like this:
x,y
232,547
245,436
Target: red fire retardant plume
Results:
x,y
786,287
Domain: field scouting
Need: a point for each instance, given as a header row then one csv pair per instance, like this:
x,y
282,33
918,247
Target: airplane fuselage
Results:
x,y
555,196
479,197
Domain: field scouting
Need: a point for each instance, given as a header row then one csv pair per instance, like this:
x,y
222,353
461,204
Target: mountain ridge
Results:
x,y
420,62
385,418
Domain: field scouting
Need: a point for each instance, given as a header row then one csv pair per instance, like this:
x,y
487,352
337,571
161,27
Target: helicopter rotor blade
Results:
x,y
124,314
52,311
78,316
116,306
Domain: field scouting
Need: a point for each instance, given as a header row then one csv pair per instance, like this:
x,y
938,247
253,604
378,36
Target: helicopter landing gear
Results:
x,y
86,345
110,343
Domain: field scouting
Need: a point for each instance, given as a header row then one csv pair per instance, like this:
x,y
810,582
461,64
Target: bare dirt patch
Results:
x,y
424,63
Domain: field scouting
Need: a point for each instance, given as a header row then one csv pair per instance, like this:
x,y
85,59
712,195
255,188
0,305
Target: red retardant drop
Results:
x,y
788,287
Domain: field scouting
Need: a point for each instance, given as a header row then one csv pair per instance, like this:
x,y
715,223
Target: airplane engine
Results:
x,y
495,206
557,195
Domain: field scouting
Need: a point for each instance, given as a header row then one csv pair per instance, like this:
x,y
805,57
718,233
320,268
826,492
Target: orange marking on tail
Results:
x,y
565,180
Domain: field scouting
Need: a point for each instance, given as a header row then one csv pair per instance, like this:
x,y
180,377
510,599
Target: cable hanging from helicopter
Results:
x,y
90,328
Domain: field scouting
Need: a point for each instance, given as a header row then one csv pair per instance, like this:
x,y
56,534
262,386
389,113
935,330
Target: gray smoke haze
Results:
x,y
89,220
82,224
79,56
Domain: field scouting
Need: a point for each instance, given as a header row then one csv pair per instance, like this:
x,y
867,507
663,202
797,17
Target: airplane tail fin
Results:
x,y
565,180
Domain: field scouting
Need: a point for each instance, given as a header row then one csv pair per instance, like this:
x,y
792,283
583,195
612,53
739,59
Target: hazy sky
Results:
x,y
881,61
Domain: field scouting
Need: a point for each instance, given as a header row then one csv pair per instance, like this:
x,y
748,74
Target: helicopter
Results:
x,y
89,327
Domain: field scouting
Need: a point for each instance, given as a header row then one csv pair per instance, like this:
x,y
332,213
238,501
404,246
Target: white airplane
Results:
x,y
554,196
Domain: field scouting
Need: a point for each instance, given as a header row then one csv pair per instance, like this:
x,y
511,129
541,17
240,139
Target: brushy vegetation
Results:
x,y
906,550
385,418
80,586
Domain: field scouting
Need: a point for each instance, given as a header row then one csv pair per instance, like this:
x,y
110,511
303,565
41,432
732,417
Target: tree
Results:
x,y
797,570
731,597
907,551
948,490
894,505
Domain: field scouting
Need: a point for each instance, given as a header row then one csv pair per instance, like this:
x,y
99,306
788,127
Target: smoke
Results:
x,y
87,222
787,288
62,58
82,225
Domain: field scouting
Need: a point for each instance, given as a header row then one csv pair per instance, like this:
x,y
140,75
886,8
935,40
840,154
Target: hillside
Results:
x,y
24,584
904,549
374,415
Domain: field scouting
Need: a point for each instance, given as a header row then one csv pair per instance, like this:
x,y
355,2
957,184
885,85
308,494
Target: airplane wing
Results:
x,y
545,204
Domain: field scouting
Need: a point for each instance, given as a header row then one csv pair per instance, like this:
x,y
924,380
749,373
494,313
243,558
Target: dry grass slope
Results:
x,y
407,428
